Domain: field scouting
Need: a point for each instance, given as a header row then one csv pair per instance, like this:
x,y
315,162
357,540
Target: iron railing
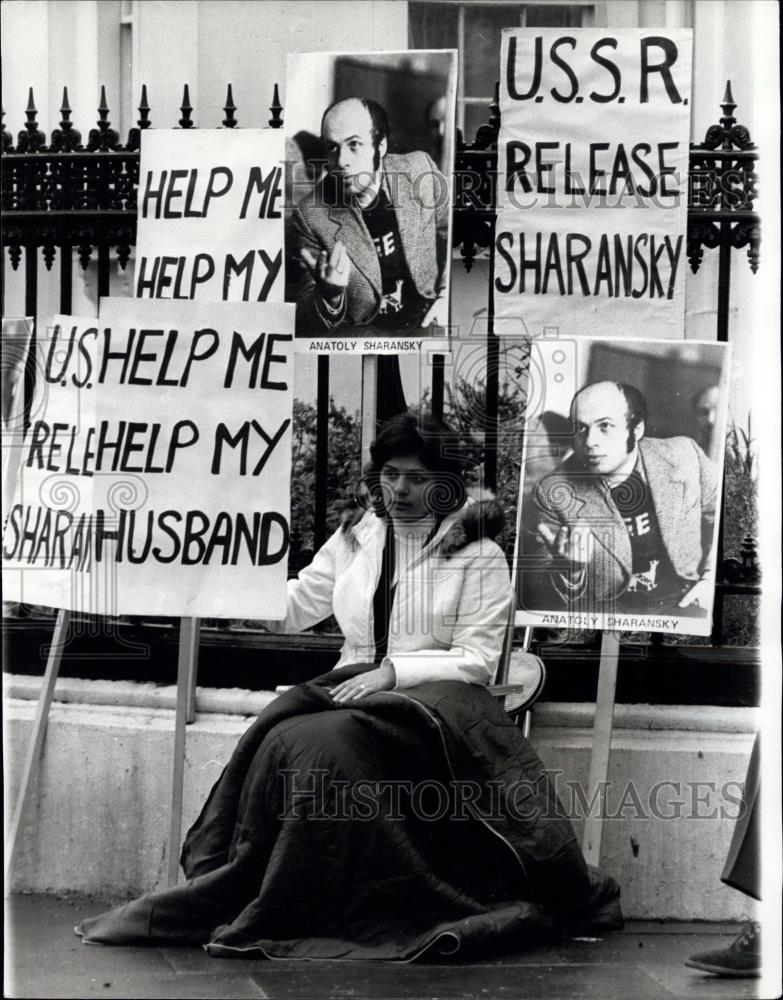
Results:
x,y
68,194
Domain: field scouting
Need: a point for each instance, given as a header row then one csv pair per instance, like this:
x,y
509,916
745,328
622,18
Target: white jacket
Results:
x,y
451,604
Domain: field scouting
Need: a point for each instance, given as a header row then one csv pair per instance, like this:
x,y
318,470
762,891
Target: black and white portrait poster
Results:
x,y
593,180
621,484
371,140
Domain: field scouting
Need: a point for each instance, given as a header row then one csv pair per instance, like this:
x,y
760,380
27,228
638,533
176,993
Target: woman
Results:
x,y
390,807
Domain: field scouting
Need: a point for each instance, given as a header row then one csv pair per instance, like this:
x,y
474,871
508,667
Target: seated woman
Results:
x,y
390,807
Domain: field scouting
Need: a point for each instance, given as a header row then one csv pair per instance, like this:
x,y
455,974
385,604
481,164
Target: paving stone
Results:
x,y
639,949
645,962
44,925
673,927
142,985
682,982
392,982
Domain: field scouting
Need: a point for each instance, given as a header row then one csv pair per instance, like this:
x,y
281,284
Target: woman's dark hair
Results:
x,y
436,446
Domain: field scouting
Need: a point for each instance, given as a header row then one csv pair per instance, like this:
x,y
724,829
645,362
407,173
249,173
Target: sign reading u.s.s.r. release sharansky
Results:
x,y
592,186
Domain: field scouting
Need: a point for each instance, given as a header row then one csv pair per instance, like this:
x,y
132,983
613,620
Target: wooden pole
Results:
x,y
32,763
369,402
185,713
321,450
602,741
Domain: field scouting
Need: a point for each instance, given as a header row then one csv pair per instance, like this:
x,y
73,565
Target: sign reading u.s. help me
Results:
x,y
210,223
593,180
154,477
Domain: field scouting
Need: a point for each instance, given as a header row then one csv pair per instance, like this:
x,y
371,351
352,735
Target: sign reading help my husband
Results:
x,y
593,180
210,224
155,476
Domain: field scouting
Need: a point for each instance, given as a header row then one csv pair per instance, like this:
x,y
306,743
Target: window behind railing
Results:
x,y
474,29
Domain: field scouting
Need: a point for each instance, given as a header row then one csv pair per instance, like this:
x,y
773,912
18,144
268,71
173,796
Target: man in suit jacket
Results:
x,y
369,243
625,519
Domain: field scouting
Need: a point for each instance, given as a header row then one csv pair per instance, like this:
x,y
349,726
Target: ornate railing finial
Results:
x,y
729,107
229,107
723,188
186,108
494,108
487,135
144,109
32,139
728,134
103,138
8,139
66,138
276,121
134,134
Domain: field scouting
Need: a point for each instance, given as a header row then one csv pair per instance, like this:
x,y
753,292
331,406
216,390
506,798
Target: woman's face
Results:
x,y
404,483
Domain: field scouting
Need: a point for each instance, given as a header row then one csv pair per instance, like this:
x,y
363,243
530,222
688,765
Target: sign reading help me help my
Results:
x,y
155,475
210,223
593,175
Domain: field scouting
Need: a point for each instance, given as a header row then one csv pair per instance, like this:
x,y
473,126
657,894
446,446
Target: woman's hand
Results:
x,y
380,679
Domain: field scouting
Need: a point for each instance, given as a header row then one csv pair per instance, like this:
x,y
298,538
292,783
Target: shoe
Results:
x,y
741,959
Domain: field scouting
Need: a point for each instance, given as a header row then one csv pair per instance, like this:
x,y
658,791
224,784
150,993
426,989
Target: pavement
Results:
x,y
44,958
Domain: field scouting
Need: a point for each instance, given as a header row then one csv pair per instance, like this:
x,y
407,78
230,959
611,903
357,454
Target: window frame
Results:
x,y
588,11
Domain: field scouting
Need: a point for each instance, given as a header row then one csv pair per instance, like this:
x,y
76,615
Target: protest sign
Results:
x,y
620,485
17,334
210,223
592,186
155,474
371,141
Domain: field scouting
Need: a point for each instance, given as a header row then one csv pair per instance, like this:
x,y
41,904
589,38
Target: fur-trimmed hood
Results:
x,y
481,516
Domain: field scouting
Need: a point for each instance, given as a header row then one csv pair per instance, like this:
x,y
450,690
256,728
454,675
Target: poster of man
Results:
x,y
371,138
618,523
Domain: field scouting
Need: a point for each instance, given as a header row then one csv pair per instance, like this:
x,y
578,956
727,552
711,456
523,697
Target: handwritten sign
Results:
x,y
210,222
155,475
593,173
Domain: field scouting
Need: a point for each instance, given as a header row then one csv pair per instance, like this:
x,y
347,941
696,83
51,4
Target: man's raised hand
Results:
x,y
330,270
573,544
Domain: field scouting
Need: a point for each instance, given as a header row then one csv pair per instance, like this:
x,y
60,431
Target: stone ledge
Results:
x,y
133,694
236,701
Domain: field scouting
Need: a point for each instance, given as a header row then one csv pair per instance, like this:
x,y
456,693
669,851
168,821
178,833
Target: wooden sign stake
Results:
x,y
369,402
602,741
31,765
185,713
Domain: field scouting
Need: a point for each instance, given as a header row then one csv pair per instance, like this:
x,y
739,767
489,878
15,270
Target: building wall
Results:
x,y
48,44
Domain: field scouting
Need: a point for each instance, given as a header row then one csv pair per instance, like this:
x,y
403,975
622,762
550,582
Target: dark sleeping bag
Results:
x,y
411,822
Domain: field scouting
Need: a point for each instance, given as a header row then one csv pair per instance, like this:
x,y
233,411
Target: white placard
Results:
x,y
155,476
593,180
210,224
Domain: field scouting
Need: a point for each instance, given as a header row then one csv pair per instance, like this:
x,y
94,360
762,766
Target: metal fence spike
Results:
x,y
186,108
144,109
276,108
229,107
